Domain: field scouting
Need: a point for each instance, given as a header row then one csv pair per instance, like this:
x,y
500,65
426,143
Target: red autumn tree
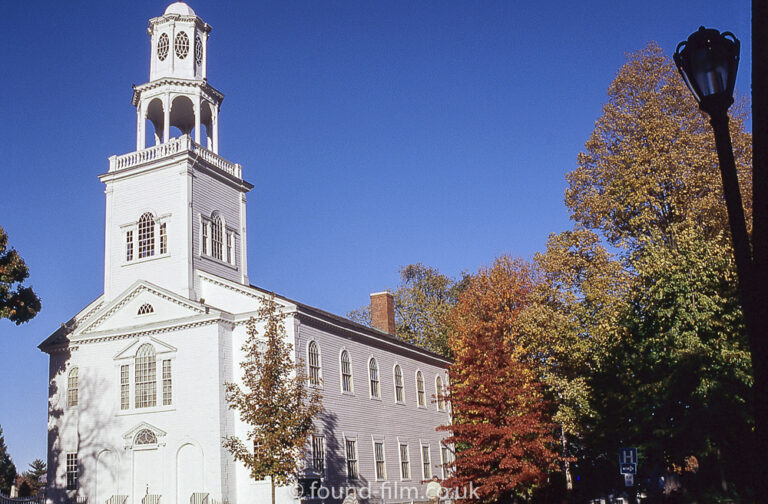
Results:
x,y
501,432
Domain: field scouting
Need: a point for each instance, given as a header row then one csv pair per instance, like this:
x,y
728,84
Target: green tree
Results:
x,y
17,303
7,469
37,468
640,347
274,401
422,299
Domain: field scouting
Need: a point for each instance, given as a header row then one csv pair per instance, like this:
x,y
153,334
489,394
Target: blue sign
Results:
x,y
628,460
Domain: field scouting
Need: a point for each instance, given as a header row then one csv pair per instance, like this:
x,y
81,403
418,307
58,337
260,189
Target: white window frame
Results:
x,y
128,358
402,383
206,241
443,461
376,397
421,395
426,463
380,441
409,476
351,390
73,387
322,457
320,380
439,394
352,438
130,234
72,470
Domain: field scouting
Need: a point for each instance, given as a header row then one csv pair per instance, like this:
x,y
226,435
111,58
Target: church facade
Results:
x,y
137,409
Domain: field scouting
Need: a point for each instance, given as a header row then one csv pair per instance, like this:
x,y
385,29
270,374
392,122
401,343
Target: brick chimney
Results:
x,y
383,312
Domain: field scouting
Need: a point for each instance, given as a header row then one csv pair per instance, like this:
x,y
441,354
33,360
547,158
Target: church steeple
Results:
x,y
178,93
175,210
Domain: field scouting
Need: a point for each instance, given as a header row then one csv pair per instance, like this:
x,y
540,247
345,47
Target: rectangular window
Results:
x,y
351,446
405,462
146,384
204,241
125,399
230,257
129,246
167,383
318,454
445,458
163,239
72,471
378,451
426,463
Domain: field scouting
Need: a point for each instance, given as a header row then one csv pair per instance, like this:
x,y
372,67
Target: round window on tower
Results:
x,y
181,45
162,47
198,50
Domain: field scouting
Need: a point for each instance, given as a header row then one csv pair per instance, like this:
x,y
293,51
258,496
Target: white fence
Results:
x,y
4,499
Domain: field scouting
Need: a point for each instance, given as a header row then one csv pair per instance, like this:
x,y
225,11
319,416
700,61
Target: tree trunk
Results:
x,y
272,481
566,463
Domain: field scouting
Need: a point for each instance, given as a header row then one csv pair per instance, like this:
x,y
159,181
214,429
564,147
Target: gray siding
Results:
x,y
208,195
383,419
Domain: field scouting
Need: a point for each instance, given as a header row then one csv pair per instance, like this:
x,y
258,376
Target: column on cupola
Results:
x,y
167,118
198,108
205,57
215,122
140,125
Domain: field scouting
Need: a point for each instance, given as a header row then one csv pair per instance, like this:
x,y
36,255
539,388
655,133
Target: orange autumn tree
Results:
x,y
501,430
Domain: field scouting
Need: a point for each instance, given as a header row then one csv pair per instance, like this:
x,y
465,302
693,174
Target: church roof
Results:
x,y
345,323
180,8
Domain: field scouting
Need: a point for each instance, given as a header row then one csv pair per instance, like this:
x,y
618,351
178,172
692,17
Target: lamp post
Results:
x,y
708,62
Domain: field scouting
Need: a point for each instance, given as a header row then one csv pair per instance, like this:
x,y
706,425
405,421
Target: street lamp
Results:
x,y
708,62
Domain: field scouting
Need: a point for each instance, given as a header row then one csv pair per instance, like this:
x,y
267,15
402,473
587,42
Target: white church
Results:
x,y
137,409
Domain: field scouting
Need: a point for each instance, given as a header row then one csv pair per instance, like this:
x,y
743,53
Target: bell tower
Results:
x,y
175,209
178,94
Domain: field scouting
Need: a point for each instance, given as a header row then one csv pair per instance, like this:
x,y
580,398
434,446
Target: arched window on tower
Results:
x,y
217,232
399,390
146,377
146,235
72,387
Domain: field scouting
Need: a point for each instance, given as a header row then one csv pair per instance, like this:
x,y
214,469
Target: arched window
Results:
x,y
373,370
420,389
146,235
399,391
217,233
145,308
146,377
440,393
72,386
346,372
314,363
145,437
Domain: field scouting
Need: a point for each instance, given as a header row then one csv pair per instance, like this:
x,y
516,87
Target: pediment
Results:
x,y
130,436
141,304
129,352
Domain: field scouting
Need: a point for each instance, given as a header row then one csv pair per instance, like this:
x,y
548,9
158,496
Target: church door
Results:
x,y
147,474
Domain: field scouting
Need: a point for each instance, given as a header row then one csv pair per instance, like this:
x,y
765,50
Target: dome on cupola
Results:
x,y
180,8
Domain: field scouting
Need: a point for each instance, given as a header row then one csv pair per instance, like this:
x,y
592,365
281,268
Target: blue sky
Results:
x,y
377,134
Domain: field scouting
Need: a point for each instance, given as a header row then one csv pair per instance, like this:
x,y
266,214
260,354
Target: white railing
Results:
x,y
171,148
217,161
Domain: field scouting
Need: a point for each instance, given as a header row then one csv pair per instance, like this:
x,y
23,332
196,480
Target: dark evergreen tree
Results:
x,y
7,469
